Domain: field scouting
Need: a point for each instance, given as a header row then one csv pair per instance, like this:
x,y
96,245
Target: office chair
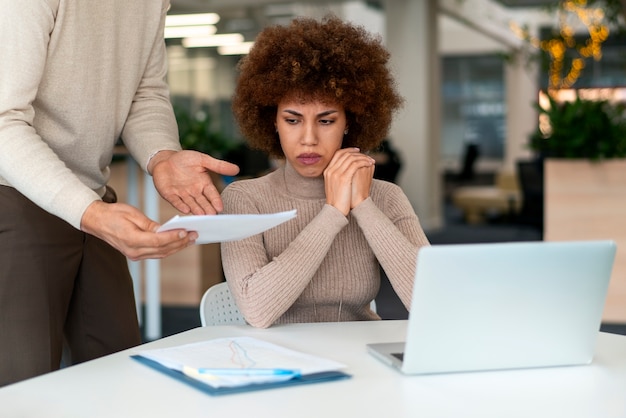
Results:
x,y
531,182
471,152
218,307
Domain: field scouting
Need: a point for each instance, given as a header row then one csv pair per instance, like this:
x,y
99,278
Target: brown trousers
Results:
x,y
58,285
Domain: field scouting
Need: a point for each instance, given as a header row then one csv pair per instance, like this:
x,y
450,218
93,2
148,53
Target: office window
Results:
x,y
473,97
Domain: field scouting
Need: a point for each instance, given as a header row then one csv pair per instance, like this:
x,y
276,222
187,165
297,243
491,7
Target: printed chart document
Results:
x,y
232,365
223,228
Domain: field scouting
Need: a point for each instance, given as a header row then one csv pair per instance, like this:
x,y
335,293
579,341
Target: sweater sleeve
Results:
x,y
57,130
26,161
395,236
266,288
151,124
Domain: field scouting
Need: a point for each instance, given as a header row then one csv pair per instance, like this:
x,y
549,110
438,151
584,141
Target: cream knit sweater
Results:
x,y
75,76
320,266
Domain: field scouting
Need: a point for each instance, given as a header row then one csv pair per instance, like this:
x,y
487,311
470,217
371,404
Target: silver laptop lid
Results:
x,y
506,305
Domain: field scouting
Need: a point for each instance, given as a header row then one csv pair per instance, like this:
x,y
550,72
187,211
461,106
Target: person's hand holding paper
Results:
x,y
222,228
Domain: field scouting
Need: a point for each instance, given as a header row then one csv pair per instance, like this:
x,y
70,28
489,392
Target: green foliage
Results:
x,y
589,129
197,133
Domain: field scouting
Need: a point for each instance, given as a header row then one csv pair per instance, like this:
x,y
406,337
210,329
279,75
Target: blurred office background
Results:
x,y
470,80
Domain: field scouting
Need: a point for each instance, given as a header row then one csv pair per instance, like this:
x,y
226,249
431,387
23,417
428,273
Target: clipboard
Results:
x,y
239,364
301,380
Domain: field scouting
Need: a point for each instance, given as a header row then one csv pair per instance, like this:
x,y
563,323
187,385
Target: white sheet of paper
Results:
x,y
223,228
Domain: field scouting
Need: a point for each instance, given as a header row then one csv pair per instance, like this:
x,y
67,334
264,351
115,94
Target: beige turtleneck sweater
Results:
x,y
320,266
75,76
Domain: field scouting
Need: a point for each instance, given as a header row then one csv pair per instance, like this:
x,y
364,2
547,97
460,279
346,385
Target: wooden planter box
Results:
x,y
587,200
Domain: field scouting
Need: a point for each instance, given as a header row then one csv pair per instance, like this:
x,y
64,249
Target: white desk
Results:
x,y
117,386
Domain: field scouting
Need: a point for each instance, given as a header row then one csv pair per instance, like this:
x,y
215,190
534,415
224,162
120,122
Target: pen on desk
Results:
x,y
248,372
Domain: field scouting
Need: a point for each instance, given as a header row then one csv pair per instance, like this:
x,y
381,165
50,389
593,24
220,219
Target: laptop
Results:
x,y
498,306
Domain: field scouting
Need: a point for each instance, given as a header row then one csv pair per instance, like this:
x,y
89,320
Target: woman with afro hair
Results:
x,y
318,95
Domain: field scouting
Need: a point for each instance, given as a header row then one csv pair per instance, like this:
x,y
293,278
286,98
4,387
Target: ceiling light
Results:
x,y
192,19
239,49
214,40
189,31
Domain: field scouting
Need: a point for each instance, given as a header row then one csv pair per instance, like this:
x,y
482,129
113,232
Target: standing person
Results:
x,y
318,95
74,77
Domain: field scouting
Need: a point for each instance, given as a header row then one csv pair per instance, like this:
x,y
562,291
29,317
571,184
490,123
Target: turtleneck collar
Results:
x,y
303,187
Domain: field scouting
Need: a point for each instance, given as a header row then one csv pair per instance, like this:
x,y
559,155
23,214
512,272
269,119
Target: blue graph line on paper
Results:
x,y
240,356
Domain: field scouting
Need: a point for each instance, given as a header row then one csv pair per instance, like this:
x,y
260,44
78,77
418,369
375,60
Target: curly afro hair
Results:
x,y
328,60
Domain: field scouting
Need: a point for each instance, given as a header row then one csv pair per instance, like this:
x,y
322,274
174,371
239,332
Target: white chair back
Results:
x,y
218,307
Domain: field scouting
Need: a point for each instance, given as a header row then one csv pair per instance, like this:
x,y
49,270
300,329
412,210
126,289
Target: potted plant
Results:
x,y
583,128
583,145
196,132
